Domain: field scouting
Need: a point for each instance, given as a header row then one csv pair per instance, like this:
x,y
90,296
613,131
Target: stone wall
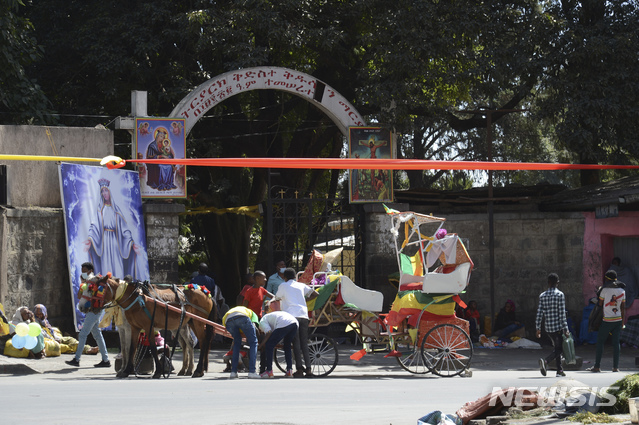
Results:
x,y
162,232
528,246
378,250
34,262
33,257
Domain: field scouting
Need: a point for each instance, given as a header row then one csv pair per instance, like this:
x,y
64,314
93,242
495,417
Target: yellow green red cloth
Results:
x,y
408,304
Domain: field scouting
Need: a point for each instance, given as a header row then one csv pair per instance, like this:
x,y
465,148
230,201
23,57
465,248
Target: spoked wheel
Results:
x,y
322,351
447,350
143,361
411,359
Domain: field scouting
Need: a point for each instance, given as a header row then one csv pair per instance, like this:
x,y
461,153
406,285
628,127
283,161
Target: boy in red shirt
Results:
x,y
254,297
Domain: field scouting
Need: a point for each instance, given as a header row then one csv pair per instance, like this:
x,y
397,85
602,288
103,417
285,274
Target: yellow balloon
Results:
x,y
34,329
22,329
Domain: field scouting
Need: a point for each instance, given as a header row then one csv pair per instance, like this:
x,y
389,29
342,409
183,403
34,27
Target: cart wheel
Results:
x,y
143,363
411,359
322,351
447,350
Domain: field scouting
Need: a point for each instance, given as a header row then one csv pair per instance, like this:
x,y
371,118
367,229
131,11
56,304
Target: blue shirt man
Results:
x,y
276,278
203,279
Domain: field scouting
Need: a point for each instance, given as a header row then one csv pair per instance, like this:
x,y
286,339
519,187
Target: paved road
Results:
x,y
372,391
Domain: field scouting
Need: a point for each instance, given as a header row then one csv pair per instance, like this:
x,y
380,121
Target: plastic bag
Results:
x,y
437,417
568,346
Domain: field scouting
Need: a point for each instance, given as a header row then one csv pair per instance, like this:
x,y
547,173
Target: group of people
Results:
x,y
263,328
264,324
50,343
552,311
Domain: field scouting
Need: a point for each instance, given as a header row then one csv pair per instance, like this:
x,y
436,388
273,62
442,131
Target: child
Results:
x,y
254,297
249,281
242,365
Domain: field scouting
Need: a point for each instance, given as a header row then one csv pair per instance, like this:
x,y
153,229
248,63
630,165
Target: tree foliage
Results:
x,y
590,87
428,69
21,98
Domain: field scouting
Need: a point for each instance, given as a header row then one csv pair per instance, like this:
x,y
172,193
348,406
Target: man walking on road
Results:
x,y
552,308
90,325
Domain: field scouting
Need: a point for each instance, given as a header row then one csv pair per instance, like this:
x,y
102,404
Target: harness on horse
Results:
x,y
141,291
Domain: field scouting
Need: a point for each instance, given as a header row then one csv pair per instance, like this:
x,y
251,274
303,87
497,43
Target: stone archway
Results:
x,y
216,90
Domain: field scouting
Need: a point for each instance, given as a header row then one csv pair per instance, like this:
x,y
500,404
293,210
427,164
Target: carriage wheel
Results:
x,y
323,353
411,359
447,350
143,361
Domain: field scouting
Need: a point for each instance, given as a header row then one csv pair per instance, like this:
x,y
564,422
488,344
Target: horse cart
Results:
x,y
421,330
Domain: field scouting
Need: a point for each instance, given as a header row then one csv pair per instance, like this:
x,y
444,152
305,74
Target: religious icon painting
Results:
x,y
161,138
104,224
370,185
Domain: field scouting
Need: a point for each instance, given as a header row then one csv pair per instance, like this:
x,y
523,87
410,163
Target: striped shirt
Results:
x,y
552,308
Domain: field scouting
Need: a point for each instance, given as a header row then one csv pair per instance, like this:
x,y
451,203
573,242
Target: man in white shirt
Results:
x,y
293,296
277,326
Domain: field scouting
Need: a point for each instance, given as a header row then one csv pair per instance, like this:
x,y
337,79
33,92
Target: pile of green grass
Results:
x,y
593,418
626,388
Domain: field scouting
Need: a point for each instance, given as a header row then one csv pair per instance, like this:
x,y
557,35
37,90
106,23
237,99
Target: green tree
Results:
x,y
21,98
410,65
591,86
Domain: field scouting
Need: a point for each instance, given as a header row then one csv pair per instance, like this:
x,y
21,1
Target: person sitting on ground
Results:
x,y
506,322
254,296
67,344
242,364
4,325
472,315
24,315
627,276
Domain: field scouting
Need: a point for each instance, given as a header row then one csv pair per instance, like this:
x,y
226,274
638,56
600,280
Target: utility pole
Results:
x,y
488,113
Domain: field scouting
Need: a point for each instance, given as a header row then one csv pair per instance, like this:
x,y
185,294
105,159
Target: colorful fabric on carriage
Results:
x,y
409,304
319,262
325,292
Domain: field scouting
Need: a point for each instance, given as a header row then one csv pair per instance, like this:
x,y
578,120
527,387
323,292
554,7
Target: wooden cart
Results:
x,y
421,330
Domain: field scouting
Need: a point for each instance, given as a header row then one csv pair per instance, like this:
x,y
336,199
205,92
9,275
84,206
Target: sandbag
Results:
x,y
51,348
11,351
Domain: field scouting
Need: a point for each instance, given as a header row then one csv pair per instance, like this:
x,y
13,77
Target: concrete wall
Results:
x,y
528,246
36,183
33,257
33,262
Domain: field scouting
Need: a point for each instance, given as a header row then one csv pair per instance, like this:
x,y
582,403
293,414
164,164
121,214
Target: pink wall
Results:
x,y
599,235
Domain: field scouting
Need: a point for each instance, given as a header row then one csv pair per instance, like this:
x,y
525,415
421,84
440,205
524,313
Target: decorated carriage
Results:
x,y
421,330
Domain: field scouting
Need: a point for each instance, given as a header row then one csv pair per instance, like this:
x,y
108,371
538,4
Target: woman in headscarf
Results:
x,y
24,315
67,344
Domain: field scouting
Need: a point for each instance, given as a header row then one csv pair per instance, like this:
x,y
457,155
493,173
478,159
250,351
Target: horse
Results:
x,y
144,307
